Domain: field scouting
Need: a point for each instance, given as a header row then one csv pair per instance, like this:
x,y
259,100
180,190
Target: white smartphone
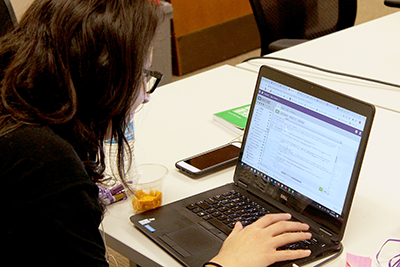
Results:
x,y
210,161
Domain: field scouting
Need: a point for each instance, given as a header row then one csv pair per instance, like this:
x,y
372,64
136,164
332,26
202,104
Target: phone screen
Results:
x,y
214,157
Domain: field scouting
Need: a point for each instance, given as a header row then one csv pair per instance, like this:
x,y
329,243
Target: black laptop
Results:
x,y
302,153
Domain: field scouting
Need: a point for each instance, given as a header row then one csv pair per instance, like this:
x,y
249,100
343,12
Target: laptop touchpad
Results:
x,y
192,239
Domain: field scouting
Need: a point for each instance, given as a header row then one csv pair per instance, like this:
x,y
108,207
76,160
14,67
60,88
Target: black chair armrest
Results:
x,y
392,3
284,43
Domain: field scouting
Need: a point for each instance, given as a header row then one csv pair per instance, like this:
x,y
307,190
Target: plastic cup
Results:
x,y
148,192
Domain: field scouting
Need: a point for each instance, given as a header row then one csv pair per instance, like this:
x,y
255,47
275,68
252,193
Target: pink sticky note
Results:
x,y
357,261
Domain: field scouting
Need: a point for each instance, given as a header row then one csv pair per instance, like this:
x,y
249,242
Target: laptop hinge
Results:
x,y
241,184
325,232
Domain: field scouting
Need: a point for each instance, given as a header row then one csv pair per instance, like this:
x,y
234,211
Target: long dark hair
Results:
x,y
77,66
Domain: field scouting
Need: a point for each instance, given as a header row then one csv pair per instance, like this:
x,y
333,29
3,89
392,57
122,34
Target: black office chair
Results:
x,y
392,3
8,21
284,23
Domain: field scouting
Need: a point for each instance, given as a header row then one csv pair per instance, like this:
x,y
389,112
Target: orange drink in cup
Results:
x,y
148,192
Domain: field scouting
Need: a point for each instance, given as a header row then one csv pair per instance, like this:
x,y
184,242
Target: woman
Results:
x,y
72,74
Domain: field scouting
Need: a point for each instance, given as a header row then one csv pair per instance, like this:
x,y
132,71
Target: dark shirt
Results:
x,y
52,213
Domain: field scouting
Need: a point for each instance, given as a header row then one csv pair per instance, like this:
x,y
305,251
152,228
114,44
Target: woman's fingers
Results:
x,y
289,238
238,227
270,219
279,223
284,255
287,226
282,230
257,244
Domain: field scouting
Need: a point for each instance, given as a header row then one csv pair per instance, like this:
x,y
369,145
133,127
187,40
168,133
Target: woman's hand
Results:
x,y
256,245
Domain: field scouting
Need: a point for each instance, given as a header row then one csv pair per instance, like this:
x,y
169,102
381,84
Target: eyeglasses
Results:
x,y
153,78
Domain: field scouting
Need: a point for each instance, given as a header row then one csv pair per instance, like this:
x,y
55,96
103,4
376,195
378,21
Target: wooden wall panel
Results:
x,y
196,15
209,31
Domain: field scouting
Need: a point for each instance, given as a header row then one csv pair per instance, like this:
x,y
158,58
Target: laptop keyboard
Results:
x,y
224,210
228,208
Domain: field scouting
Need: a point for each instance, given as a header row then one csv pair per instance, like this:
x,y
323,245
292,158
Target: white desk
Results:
x,y
178,123
371,49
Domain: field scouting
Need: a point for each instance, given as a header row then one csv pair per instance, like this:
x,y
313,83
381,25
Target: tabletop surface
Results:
x,y
370,50
178,123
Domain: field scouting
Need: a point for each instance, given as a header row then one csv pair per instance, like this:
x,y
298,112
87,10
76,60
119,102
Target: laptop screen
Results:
x,y
301,150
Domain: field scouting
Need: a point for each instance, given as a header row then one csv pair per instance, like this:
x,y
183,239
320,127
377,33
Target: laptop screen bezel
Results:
x,y
336,98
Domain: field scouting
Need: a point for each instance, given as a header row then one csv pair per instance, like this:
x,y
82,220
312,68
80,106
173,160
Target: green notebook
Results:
x,y
235,119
